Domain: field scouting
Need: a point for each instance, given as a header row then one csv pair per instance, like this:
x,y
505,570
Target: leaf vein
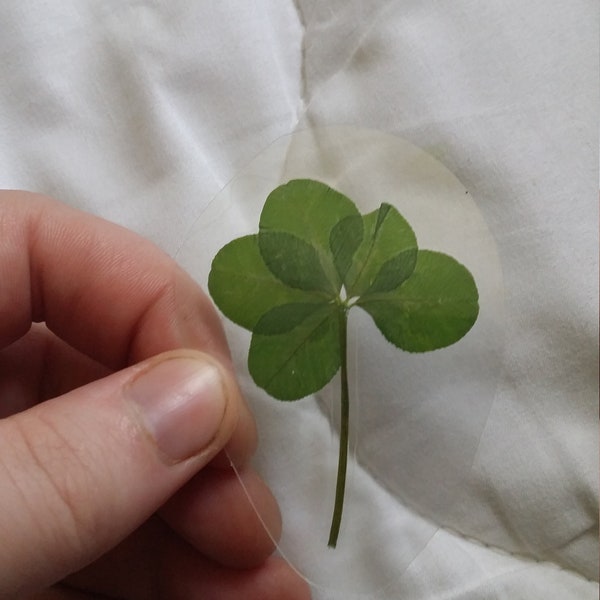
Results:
x,y
297,349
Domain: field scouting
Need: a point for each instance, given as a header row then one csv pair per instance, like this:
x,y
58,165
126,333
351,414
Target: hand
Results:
x,y
115,440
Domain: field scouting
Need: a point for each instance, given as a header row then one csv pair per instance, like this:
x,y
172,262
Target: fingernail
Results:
x,y
182,403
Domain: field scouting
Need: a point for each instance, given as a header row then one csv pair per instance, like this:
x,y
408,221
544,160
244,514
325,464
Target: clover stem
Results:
x,y
344,433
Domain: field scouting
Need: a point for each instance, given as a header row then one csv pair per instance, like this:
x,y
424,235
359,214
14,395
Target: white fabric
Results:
x,y
142,112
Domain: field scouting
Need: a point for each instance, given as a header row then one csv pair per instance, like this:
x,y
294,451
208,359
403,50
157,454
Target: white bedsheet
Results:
x,y
142,112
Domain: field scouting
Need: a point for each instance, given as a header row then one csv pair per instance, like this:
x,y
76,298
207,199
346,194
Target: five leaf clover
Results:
x,y
315,257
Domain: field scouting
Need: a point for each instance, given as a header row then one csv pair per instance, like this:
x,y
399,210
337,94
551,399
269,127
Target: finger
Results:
x,y
213,513
104,290
198,580
218,515
153,564
59,592
75,480
133,569
40,366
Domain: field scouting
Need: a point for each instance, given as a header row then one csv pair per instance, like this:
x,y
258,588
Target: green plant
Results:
x,y
313,260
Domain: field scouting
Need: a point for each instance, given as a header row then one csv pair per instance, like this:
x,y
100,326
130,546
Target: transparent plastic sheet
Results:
x,y
416,419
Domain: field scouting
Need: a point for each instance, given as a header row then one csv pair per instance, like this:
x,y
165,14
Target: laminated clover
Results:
x,y
315,258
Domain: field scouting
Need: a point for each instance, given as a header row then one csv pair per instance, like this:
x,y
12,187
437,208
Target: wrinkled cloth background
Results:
x,y
142,112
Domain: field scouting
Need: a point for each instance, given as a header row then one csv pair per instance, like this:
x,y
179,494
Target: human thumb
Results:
x,y
78,473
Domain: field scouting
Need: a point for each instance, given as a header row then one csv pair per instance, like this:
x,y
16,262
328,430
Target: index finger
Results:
x,y
103,289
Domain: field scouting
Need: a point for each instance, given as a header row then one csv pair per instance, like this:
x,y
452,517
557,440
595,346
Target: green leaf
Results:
x,y
394,272
344,240
293,261
309,210
243,287
299,362
433,308
386,256
284,318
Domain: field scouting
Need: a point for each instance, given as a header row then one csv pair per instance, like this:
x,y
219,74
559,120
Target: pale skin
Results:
x,y
88,505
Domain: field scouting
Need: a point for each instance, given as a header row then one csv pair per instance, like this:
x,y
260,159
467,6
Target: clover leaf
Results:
x,y
315,257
